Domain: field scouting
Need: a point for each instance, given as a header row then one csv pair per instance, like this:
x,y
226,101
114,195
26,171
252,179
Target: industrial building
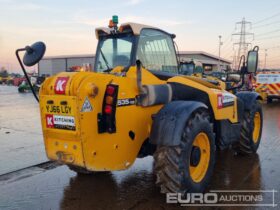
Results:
x,y
54,64
209,61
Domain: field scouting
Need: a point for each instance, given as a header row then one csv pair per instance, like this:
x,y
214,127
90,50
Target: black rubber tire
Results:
x,y
269,100
246,144
83,171
171,163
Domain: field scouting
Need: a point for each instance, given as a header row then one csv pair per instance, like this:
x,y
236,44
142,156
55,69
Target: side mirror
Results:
x,y
34,53
252,60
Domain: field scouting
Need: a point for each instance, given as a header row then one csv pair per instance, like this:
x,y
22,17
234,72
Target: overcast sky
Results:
x,y
67,27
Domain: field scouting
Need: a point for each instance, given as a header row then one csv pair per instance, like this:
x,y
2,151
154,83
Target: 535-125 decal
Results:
x,y
126,102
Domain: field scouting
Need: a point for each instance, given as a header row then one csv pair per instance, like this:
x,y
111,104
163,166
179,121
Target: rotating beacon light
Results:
x,y
113,23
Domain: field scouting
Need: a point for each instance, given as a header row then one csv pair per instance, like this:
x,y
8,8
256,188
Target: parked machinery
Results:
x,y
267,84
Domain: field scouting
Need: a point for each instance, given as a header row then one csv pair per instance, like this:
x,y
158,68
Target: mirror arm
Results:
x,y
256,48
244,63
242,81
25,74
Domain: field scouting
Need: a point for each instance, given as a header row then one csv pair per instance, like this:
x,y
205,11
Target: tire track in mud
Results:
x,y
27,172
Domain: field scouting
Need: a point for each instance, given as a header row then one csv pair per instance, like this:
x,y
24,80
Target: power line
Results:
x,y
274,59
270,32
268,18
229,38
265,25
226,44
271,48
274,65
269,37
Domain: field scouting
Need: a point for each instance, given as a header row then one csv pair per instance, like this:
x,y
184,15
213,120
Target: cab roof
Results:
x,y
134,27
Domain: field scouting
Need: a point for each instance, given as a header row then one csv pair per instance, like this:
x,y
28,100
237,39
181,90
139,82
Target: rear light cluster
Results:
x,y
111,95
107,120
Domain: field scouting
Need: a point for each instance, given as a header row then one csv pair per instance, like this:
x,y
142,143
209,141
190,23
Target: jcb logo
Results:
x,y
60,85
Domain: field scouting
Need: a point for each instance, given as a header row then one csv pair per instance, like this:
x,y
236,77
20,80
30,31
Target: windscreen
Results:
x,y
114,51
156,51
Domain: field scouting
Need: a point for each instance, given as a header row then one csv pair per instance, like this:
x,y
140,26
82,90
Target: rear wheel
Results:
x,y
188,167
251,130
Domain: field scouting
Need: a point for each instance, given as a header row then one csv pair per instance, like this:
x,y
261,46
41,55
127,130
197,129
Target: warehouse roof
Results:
x,y
181,53
69,56
205,54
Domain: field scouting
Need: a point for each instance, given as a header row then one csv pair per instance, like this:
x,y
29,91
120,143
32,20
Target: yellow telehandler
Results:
x,y
136,104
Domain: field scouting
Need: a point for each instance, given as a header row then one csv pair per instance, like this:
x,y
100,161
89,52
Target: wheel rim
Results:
x,y
198,171
257,127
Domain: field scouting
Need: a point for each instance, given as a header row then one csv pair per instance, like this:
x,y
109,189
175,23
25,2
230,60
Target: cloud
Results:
x,y
134,2
12,5
27,7
6,1
157,22
154,21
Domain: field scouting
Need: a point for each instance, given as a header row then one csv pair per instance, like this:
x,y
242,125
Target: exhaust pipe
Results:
x,y
151,94
139,77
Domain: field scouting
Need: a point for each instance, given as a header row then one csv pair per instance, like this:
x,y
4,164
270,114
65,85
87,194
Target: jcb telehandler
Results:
x,y
136,103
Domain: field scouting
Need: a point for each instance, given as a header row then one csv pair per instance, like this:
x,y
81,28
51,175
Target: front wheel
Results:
x,y
188,167
251,130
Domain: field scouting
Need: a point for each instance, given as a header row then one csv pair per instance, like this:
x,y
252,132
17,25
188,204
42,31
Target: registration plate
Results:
x,y
63,109
59,112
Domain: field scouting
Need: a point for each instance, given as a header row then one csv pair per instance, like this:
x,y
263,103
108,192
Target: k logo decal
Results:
x,y
60,85
49,121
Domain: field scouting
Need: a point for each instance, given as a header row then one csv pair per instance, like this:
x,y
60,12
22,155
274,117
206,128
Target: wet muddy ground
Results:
x,y
50,186
20,131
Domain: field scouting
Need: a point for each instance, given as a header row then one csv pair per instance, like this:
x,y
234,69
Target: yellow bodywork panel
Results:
x,y
229,112
63,142
71,133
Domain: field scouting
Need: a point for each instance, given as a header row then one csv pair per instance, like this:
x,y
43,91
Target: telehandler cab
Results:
x,y
135,104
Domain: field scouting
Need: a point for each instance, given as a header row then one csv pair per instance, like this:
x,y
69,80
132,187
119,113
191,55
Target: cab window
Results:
x,y
114,51
156,51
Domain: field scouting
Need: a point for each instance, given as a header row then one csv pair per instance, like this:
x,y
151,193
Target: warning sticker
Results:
x,y
86,106
225,100
60,122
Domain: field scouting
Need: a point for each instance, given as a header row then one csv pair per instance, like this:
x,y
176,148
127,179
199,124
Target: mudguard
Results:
x,y
248,98
170,121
